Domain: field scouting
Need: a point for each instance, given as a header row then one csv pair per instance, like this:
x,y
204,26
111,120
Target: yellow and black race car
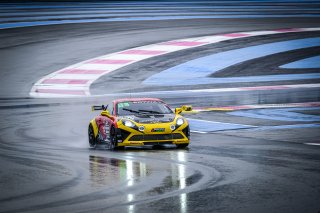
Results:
x,y
138,122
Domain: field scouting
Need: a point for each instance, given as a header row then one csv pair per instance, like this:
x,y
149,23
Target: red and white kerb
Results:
x,y
75,80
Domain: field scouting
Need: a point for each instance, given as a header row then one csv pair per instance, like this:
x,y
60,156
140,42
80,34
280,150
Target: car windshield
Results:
x,y
142,107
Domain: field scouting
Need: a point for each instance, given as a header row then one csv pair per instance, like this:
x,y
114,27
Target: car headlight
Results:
x,y
128,123
180,121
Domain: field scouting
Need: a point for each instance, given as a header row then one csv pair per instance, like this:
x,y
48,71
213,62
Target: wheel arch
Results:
x,y
95,127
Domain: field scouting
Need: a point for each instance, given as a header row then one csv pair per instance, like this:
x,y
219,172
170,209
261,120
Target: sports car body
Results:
x,y
138,122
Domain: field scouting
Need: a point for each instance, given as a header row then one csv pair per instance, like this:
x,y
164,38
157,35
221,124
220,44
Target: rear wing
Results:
x,y
101,107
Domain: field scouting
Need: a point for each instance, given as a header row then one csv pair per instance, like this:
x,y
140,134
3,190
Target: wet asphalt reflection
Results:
x,y
129,173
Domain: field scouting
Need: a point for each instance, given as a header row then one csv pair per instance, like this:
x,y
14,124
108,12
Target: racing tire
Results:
x,y
182,146
92,139
119,148
113,139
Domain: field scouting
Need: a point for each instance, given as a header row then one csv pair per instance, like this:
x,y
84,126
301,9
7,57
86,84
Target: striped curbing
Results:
x,y
75,80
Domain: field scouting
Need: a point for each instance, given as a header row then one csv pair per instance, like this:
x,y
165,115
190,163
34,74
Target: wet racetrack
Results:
x,y
270,164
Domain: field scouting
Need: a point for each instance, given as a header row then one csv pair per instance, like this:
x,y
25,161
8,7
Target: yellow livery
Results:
x,y
138,122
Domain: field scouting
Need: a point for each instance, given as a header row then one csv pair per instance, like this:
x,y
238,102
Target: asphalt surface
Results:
x,y
47,166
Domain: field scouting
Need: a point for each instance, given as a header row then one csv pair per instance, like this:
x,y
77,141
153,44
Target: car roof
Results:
x,y
136,99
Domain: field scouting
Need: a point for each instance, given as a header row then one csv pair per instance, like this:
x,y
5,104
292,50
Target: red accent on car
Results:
x,y
136,99
101,121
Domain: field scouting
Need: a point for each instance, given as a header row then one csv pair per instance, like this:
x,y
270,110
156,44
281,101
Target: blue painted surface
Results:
x,y
195,72
93,15
194,4
29,14
151,11
307,63
204,80
36,16
159,2
286,114
211,126
129,12
157,18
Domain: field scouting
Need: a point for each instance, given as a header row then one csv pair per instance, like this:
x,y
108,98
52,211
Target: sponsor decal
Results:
x,y
130,117
151,121
125,104
136,142
158,130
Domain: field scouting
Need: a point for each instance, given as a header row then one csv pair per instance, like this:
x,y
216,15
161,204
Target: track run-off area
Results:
x,y
76,79
250,69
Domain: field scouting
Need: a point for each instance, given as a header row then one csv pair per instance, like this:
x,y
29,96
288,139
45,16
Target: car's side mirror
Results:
x,y
184,108
105,113
187,108
177,110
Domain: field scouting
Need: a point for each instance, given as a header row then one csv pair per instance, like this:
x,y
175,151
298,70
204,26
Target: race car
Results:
x,y
138,122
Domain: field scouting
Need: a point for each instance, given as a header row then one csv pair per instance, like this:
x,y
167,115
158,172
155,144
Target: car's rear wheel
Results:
x,y
182,146
92,139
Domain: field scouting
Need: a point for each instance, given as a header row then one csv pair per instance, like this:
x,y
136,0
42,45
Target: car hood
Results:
x,y
146,118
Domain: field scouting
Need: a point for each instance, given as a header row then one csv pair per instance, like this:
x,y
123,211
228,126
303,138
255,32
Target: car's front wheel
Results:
x,y
114,140
92,139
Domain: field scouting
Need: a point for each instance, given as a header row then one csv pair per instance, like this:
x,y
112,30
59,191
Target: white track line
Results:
x,y
194,131
313,144
64,87
258,106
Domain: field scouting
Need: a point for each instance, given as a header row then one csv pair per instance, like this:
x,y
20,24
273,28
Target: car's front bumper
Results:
x,y
131,137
